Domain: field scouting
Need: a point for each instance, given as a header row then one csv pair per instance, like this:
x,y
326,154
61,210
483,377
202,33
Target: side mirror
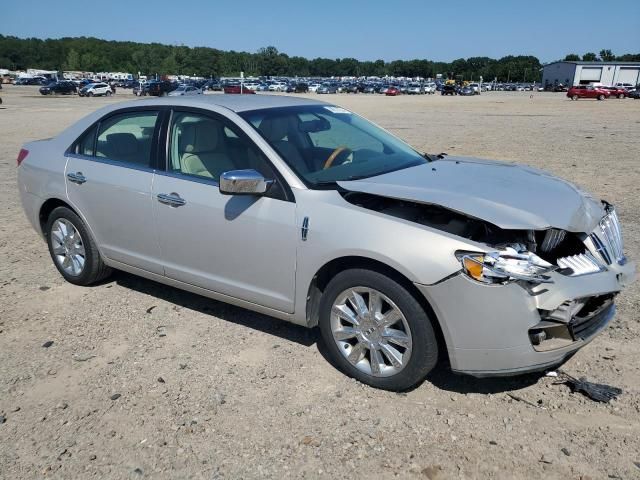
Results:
x,y
243,182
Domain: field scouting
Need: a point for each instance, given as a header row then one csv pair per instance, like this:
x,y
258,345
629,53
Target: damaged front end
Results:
x,y
526,255
558,284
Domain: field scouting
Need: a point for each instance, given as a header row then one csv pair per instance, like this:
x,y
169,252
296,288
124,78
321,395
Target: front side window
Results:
x,y
127,138
205,147
327,144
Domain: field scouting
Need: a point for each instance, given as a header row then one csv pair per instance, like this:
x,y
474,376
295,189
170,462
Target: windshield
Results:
x,y
324,144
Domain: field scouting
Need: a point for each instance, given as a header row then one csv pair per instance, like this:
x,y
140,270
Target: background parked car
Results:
x,y
301,87
185,90
415,89
96,90
635,94
158,88
278,87
327,88
32,81
392,91
55,88
618,92
236,88
212,85
449,90
475,87
466,91
587,91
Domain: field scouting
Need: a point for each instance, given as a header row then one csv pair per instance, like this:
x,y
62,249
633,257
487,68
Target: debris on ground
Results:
x,y
595,391
523,400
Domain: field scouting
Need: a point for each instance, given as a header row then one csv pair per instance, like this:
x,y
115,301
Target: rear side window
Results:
x,y
86,143
127,138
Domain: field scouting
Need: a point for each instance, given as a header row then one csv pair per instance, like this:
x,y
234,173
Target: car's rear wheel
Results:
x,y
376,331
574,97
600,97
90,94
73,251
621,95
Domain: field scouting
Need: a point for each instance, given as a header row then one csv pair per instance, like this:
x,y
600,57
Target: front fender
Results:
x,y
339,229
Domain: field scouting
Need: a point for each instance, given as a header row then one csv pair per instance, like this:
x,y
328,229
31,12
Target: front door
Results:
x,y
242,246
109,177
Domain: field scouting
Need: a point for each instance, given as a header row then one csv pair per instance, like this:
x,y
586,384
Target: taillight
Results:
x,y
22,155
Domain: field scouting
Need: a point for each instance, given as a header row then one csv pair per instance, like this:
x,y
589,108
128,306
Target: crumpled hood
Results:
x,y
508,195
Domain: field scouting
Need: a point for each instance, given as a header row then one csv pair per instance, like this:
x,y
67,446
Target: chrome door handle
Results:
x,y
171,199
76,178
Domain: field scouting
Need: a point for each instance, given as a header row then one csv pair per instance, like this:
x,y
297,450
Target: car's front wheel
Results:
x,y
72,249
376,331
574,97
600,97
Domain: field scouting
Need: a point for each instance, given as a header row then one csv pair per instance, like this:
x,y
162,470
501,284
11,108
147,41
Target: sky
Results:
x,y
442,30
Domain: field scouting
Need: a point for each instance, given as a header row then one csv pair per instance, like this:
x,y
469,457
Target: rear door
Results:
x,y
109,175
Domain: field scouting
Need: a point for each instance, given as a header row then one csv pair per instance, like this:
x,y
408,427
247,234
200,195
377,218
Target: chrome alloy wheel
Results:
x,y
371,331
68,248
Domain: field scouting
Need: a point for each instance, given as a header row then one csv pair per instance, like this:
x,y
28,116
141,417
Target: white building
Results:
x,y
584,73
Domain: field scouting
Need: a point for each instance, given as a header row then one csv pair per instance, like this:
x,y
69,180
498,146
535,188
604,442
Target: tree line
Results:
x,y
605,56
97,55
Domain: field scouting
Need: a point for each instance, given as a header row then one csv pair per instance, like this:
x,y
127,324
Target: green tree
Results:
x,y
607,56
589,57
169,65
73,60
572,57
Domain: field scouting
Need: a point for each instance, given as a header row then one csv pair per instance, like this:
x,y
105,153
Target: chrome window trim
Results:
x,y
109,161
190,178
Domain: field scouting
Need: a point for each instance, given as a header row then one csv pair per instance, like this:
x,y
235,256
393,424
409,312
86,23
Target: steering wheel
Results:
x,y
338,152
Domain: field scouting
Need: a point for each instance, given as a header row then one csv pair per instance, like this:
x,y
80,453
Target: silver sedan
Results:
x,y
307,212
183,90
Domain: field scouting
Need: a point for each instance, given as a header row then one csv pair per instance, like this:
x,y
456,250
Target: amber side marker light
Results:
x,y
473,266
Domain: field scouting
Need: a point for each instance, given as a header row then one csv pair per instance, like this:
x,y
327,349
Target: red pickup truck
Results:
x,y
587,91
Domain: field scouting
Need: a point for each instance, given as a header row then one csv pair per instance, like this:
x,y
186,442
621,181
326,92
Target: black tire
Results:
x,y
90,94
600,97
621,95
94,268
575,97
424,354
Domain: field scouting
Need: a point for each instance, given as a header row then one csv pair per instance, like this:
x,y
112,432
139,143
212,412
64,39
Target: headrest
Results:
x,y
122,144
275,128
200,137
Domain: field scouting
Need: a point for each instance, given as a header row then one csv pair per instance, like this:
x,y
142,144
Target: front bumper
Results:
x,y
487,327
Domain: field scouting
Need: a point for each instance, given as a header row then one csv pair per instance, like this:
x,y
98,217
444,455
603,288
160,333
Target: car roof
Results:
x,y
236,103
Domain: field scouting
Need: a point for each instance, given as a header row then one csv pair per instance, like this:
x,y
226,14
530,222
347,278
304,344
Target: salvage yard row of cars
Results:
x,y
89,88
398,256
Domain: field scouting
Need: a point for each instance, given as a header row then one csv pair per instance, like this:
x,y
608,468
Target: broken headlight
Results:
x,y
511,263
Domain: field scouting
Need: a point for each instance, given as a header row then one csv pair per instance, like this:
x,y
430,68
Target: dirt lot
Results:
x,y
213,391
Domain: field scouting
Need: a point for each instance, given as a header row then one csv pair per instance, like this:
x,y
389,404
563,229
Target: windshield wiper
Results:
x,y
432,158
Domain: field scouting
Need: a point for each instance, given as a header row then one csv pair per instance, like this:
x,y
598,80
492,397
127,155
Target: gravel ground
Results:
x,y
145,381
